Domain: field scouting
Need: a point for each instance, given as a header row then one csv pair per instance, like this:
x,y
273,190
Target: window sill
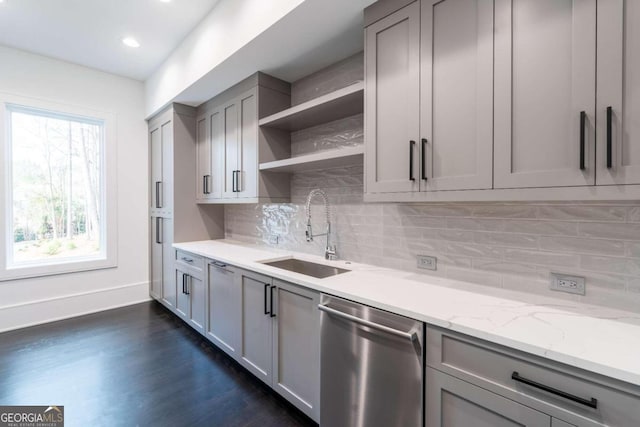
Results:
x,y
42,270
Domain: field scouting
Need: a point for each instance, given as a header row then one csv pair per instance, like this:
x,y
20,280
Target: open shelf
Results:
x,y
336,105
324,159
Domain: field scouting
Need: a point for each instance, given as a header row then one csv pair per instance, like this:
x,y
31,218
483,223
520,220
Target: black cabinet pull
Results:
x,y
266,310
592,403
158,237
272,314
422,158
238,183
235,182
583,120
205,184
186,287
184,283
609,137
411,145
158,205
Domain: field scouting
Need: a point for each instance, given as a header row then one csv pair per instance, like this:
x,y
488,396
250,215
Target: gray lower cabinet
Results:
x,y
474,376
257,329
296,346
190,298
452,402
279,337
224,326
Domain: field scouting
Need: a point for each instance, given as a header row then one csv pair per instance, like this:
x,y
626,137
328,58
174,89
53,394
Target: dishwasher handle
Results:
x,y
411,336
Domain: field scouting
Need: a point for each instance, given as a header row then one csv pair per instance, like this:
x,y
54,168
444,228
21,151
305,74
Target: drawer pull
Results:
x,y
593,403
185,259
218,264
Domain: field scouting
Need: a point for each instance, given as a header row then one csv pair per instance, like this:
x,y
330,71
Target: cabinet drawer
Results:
x,y
193,264
494,367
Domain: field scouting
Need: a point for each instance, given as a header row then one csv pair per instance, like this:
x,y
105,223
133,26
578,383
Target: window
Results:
x,y
56,213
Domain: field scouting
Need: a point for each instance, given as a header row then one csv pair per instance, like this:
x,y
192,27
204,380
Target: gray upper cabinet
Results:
x,y
454,403
392,102
456,112
545,83
618,114
227,152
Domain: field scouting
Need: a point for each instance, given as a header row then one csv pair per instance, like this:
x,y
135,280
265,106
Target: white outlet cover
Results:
x,y
567,283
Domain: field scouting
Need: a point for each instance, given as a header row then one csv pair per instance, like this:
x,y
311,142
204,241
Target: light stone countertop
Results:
x,y
597,339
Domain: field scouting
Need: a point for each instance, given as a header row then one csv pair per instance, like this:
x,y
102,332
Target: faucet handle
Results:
x,y
330,253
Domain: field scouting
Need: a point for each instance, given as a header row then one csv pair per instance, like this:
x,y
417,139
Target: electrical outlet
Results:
x,y
427,262
566,283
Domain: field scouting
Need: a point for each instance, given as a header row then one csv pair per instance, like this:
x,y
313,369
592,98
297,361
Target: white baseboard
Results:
x,y
37,312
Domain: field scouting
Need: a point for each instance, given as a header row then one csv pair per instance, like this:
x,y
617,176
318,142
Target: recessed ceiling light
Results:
x,y
131,42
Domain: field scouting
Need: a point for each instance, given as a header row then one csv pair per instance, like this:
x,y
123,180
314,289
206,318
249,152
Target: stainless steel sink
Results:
x,y
312,269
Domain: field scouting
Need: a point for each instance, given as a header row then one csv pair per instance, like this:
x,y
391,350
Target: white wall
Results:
x,y
228,27
39,300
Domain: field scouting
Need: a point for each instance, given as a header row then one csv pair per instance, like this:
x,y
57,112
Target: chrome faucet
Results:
x,y
330,251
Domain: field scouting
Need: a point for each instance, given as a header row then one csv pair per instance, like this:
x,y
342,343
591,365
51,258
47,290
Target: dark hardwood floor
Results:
x,y
134,366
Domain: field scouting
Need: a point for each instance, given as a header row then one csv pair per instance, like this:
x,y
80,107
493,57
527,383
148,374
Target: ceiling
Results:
x,y
89,32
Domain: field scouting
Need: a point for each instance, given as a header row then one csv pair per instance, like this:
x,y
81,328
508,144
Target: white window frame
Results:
x,y
107,257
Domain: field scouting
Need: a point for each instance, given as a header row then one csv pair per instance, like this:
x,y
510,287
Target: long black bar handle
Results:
x,y
591,403
609,137
411,145
205,184
158,231
184,280
188,282
238,183
266,287
233,181
583,121
158,205
422,158
272,314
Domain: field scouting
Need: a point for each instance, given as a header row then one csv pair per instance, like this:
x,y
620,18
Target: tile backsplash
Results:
x,y
506,245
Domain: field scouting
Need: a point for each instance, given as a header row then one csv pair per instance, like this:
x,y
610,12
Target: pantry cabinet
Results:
x,y
173,215
618,112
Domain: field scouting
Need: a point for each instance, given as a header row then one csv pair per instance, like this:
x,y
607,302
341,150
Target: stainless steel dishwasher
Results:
x,y
372,365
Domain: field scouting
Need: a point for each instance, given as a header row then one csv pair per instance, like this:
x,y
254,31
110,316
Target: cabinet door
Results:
x,y
197,303
455,403
255,347
456,118
155,143
544,78
217,141
168,263
166,186
224,326
247,180
203,159
296,347
183,305
619,89
156,257
392,102
230,149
